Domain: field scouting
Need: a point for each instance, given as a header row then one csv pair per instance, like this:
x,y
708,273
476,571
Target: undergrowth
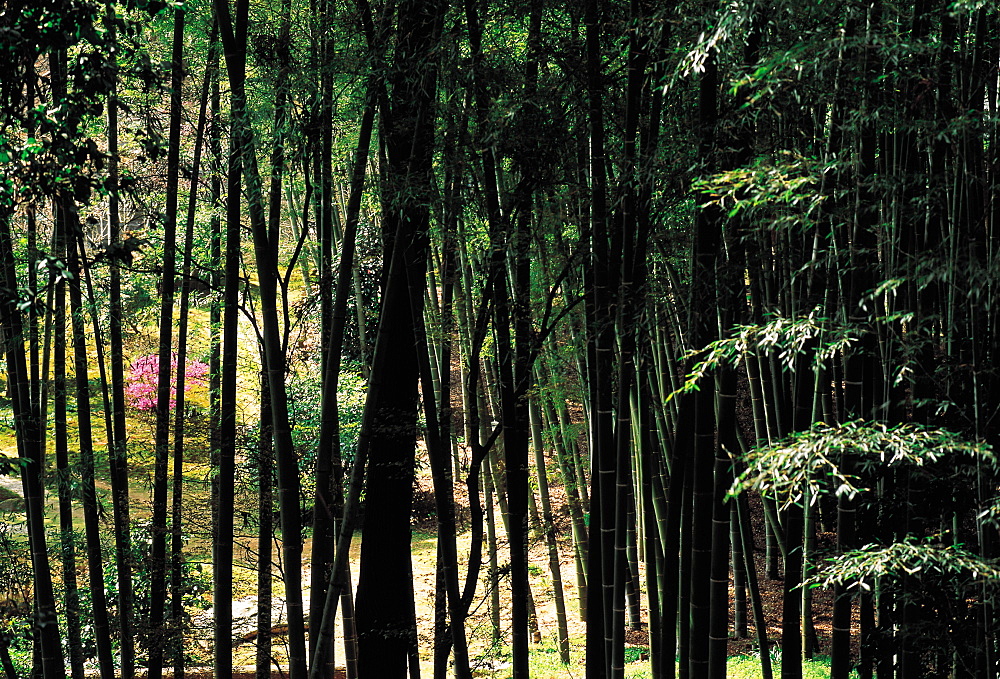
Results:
x,y
544,663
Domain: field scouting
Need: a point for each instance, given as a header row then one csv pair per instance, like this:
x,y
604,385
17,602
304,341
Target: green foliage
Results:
x,y
791,338
922,473
931,561
44,150
305,409
948,584
779,194
304,414
11,466
544,661
545,664
15,583
635,653
748,667
196,587
724,26
812,460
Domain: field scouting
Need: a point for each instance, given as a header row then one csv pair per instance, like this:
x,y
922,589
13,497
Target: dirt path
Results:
x,y
11,495
11,484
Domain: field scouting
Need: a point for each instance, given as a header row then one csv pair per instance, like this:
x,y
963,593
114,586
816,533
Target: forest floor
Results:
x,y
491,659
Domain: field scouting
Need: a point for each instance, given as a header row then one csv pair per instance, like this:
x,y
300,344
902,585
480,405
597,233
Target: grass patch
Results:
x,y
748,667
544,663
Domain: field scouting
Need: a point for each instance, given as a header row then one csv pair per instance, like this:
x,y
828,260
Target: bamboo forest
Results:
x,y
391,339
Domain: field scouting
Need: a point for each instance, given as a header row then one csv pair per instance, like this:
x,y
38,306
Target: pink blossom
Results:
x,y
141,383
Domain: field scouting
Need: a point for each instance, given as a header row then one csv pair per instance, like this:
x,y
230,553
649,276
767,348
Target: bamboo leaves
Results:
x,y
859,568
790,337
779,193
810,463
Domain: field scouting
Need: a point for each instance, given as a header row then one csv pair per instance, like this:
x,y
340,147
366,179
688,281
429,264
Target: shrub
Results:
x,y
141,383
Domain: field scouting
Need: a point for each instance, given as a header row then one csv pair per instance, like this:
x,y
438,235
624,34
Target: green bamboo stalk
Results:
x,y
548,530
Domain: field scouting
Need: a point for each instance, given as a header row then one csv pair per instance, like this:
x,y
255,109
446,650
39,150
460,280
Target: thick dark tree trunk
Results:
x,y
602,657
92,528
234,39
69,234
325,512
50,657
177,616
702,330
384,606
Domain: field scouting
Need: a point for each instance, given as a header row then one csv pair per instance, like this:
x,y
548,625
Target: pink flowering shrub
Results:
x,y
140,384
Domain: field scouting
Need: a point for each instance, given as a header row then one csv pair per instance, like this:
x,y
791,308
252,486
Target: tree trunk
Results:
x,y
176,522
95,563
233,42
549,530
384,603
118,451
265,250
158,552
66,531
329,499
265,532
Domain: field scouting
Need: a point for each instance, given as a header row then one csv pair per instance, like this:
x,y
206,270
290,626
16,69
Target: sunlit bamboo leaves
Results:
x,y
811,461
791,338
782,193
859,568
